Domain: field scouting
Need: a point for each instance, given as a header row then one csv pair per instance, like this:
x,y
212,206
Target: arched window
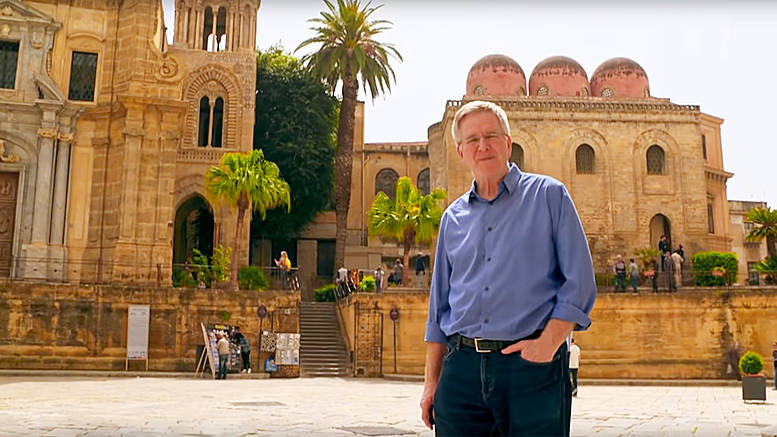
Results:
x,y
204,126
386,181
655,160
218,122
585,160
516,156
221,30
423,181
207,29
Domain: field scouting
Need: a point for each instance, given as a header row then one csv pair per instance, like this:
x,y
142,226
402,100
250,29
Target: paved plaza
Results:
x,y
100,406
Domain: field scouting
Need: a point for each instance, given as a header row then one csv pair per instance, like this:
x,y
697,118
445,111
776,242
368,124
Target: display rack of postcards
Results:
x,y
233,365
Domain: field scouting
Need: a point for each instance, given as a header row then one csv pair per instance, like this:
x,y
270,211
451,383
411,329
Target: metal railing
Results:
x,y
104,272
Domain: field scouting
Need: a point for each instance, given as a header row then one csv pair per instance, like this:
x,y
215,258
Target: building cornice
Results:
x,y
593,104
717,175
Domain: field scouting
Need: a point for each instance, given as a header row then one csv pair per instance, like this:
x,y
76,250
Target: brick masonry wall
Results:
x,y
68,327
654,336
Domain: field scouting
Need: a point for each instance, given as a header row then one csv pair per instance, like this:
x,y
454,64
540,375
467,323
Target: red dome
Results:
x,y
620,77
496,75
559,76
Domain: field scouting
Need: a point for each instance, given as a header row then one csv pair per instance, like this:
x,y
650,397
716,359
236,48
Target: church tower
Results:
x,y
215,40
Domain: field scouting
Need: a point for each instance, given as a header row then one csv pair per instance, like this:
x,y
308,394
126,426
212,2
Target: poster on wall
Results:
x,y
287,349
137,333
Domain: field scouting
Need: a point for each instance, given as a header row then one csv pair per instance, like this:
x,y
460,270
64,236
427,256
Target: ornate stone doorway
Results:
x,y
659,225
9,183
193,229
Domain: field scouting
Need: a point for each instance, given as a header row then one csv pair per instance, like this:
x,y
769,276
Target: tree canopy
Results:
x,y
349,53
411,218
295,127
766,227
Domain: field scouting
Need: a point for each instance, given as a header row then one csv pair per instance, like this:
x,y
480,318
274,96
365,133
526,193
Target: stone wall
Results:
x,y
654,336
68,327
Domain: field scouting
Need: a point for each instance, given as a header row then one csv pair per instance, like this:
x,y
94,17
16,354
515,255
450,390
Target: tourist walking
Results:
x,y
619,268
574,364
223,348
634,274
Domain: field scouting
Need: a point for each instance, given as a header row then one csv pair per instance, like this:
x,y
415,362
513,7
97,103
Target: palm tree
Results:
x,y
348,53
412,218
766,227
246,182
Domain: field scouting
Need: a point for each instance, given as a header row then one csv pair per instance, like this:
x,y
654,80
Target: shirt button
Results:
x,y
488,259
485,321
490,228
486,288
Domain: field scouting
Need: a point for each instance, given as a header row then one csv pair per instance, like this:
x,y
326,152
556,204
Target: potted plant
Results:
x,y
753,380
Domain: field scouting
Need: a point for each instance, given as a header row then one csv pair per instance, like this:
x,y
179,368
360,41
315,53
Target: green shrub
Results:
x,y
645,256
368,283
251,278
221,260
182,278
325,293
706,264
604,279
751,363
200,268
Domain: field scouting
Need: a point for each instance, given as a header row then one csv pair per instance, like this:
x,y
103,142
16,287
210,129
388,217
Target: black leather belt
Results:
x,y
482,345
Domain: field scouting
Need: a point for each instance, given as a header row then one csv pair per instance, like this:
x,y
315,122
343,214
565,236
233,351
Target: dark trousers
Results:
x,y
222,373
246,358
490,394
654,279
775,375
573,375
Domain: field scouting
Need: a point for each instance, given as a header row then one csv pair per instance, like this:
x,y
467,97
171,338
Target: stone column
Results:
x,y
42,210
61,182
57,266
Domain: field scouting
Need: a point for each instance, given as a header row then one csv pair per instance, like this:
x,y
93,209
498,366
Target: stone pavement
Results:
x,y
101,406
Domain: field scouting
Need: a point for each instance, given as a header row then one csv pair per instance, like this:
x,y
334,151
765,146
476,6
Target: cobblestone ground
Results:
x,y
46,406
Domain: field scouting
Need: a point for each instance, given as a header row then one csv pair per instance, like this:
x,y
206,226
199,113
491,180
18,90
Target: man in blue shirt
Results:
x,y
513,277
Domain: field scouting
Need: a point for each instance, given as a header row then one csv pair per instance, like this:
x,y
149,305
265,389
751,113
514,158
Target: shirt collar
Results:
x,y
509,183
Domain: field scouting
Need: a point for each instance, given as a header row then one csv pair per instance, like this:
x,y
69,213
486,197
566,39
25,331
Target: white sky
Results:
x,y
716,54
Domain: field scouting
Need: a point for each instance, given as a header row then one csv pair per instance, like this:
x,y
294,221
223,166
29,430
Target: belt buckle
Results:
x,y
477,347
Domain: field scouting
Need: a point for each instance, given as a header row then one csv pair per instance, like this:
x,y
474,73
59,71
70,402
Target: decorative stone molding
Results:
x,y
7,11
202,154
4,157
207,77
587,105
46,132
66,137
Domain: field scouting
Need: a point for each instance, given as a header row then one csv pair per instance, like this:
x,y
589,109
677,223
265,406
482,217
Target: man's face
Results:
x,y
484,147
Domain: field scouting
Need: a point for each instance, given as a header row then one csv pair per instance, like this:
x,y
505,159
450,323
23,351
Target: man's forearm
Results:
x,y
556,331
433,367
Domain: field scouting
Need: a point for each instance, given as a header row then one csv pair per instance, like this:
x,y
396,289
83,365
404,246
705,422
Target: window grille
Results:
x,y
83,72
516,156
710,218
9,54
655,160
584,159
325,261
752,275
386,181
423,181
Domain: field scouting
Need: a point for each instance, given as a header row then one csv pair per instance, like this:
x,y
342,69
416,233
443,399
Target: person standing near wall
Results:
x,y
634,272
574,364
223,347
774,356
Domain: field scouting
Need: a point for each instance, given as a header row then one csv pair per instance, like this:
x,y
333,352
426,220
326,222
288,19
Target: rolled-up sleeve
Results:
x,y
438,294
577,293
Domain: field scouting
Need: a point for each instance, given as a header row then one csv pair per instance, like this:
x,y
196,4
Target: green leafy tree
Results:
x,y
295,126
220,263
349,53
646,255
769,268
411,218
766,227
246,182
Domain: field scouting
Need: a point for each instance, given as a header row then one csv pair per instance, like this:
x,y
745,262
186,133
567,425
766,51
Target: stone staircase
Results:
x,y
322,348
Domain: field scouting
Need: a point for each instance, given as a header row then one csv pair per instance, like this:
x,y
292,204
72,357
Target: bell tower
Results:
x,y
216,25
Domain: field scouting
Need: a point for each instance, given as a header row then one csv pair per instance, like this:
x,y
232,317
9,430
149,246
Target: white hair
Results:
x,y
479,106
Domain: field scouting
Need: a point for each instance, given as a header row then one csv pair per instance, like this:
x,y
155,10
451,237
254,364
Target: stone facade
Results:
x,y
624,205
69,327
748,252
101,178
652,336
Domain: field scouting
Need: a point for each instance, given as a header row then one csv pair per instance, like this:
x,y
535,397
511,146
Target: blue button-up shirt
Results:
x,y
504,267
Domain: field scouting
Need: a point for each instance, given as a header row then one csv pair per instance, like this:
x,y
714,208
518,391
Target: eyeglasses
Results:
x,y
489,137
